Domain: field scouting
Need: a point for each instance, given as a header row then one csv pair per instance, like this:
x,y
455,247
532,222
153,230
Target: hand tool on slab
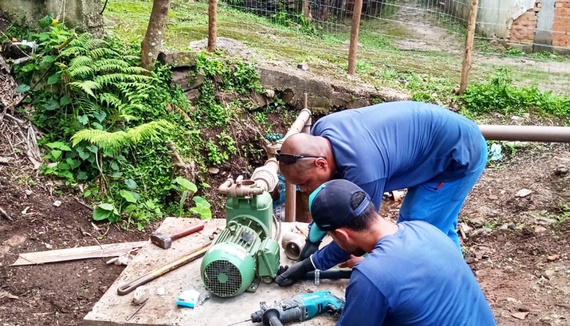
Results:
x,y
129,287
164,241
297,309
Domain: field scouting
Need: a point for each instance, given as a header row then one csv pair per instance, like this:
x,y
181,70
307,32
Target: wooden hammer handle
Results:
x,y
129,287
186,232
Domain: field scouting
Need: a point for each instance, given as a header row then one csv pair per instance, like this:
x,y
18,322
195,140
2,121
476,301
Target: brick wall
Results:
x,y
523,28
561,25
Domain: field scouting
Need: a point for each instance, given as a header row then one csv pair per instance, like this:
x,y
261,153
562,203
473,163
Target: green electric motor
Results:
x,y
244,251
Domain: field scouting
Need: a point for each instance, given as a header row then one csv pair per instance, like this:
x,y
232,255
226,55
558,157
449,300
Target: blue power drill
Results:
x,y
299,308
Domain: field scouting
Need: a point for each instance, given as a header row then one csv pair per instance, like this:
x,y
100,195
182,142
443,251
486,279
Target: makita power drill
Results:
x,y
300,307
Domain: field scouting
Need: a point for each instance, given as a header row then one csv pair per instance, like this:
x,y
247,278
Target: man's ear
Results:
x,y
322,163
342,233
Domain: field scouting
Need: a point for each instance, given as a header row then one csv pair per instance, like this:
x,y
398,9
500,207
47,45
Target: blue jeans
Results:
x,y
439,203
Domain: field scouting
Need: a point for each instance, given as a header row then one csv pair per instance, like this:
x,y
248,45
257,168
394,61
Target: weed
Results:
x,y
498,94
514,52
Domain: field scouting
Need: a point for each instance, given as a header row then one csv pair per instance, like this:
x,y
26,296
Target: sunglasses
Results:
x,y
290,158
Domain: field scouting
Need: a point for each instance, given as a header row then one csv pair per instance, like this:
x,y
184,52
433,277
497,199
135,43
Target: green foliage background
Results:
x,y
110,126
108,123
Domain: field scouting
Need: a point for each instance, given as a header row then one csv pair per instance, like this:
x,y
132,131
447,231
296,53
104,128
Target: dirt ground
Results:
x,y
514,226
513,230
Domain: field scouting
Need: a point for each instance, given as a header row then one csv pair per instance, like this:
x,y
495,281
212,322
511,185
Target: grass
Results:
x,y
380,61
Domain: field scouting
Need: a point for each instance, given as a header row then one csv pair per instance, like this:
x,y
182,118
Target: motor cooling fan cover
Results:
x,y
227,269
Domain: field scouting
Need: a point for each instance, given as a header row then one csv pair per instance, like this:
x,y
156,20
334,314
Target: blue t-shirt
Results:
x,y
399,145
415,277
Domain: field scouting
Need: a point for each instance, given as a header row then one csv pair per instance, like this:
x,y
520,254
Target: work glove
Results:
x,y
312,242
308,249
289,275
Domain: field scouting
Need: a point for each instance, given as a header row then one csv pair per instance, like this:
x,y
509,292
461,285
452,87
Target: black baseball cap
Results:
x,y
330,207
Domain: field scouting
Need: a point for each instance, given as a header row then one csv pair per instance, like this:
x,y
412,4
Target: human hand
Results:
x,y
308,249
351,262
289,275
312,242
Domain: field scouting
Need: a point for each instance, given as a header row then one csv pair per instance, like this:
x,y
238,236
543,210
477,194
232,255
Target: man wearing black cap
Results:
x,y
413,274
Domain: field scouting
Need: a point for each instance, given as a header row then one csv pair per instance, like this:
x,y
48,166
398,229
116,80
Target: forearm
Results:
x,y
329,256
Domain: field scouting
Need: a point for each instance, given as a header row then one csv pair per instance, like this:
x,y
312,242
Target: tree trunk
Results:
x,y
354,28
152,43
471,26
306,10
212,12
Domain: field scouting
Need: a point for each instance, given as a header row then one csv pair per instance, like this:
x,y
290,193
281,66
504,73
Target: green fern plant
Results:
x,y
113,141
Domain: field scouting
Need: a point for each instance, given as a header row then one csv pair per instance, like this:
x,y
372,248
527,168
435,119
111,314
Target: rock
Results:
x,y
192,95
548,273
177,59
539,229
141,294
523,193
57,203
260,100
553,257
513,300
15,240
507,226
520,315
465,228
478,221
213,170
561,170
544,221
4,250
303,66
226,97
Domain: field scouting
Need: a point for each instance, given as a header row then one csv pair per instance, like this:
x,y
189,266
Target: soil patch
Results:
x,y
515,241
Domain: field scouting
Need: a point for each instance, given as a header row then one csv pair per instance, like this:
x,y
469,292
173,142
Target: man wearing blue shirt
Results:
x,y
437,154
413,274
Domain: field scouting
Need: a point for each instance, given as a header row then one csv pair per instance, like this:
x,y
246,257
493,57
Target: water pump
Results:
x,y
244,252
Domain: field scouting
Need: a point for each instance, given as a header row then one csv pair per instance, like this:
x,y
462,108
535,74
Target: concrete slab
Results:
x,y
113,309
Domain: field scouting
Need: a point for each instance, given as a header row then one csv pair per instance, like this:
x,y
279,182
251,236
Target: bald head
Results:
x,y
308,172
302,143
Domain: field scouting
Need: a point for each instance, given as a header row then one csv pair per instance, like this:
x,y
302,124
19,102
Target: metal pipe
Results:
x,y
526,133
300,125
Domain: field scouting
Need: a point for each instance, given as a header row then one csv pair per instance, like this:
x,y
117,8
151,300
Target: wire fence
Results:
x,y
428,36
425,37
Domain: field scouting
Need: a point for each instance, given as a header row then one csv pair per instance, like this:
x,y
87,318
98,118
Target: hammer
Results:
x,y
164,241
